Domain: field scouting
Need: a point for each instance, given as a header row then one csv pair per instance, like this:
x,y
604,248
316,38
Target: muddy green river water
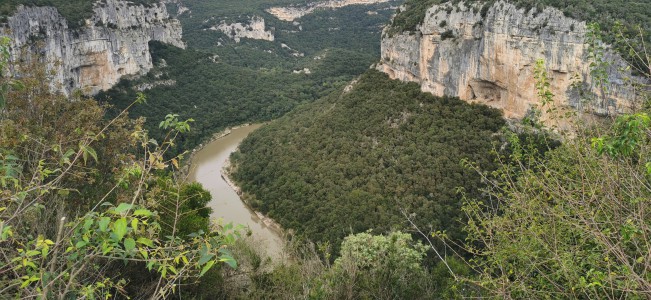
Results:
x,y
206,168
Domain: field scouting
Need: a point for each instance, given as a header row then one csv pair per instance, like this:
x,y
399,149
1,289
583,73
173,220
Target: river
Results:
x,y
206,167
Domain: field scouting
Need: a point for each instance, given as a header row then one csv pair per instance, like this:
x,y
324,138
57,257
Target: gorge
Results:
x,y
404,147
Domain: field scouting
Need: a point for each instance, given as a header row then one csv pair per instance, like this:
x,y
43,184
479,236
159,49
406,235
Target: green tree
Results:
x,y
74,201
379,267
182,210
571,223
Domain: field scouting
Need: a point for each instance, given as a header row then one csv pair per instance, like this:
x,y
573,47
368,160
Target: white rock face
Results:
x,y
255,29
113,43
150,85
303,71
292,13
491,59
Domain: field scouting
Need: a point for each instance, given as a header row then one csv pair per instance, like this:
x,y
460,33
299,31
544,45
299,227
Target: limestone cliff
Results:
x,y
490,59
113,42
254,29
292,13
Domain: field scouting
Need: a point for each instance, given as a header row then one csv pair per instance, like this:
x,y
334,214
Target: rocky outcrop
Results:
x,y
254,29
292,13
489,57
113,42
150,85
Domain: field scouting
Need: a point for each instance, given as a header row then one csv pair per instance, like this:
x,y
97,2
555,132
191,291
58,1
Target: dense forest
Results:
x,y
310,34
233,83
355,159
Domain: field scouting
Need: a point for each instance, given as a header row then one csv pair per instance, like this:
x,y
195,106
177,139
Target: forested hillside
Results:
x,y
355,159
221,83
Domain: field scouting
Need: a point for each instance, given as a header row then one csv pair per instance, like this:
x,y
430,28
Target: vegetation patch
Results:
x,y
354,160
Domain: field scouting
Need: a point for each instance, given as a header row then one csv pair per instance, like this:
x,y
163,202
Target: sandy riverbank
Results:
x,y
269,222
209,164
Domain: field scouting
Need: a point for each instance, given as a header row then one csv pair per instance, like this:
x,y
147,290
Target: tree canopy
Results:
x,y
353,160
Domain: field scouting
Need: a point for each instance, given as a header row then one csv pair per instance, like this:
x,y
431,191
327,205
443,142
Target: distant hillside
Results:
x,y
220,82
353,160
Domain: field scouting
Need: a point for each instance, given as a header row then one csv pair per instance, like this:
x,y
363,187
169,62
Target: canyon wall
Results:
x,y
291,13
113,42
489,57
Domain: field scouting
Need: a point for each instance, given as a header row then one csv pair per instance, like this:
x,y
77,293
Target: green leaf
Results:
x,y
106,248
205,258
141,98
163,270
123,207
150,264
173,269
92,153
129,244
103,223
6,232
142,212
80,244
120,228
145,241
144,253
134,224
229,260
87,224
206,267
28,281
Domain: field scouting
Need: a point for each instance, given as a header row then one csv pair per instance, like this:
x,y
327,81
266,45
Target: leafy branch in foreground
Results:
x,y
78,218
570,223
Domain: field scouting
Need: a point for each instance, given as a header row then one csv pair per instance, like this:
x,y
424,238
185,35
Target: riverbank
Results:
x,y
210,165
187,162
267,221
226,172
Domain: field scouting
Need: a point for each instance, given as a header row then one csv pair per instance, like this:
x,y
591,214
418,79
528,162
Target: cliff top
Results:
x,y
633,15
605,12
75,11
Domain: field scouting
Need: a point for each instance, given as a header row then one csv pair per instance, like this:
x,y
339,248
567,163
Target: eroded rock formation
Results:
x,y
254,29
490,59
113,42
292,13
